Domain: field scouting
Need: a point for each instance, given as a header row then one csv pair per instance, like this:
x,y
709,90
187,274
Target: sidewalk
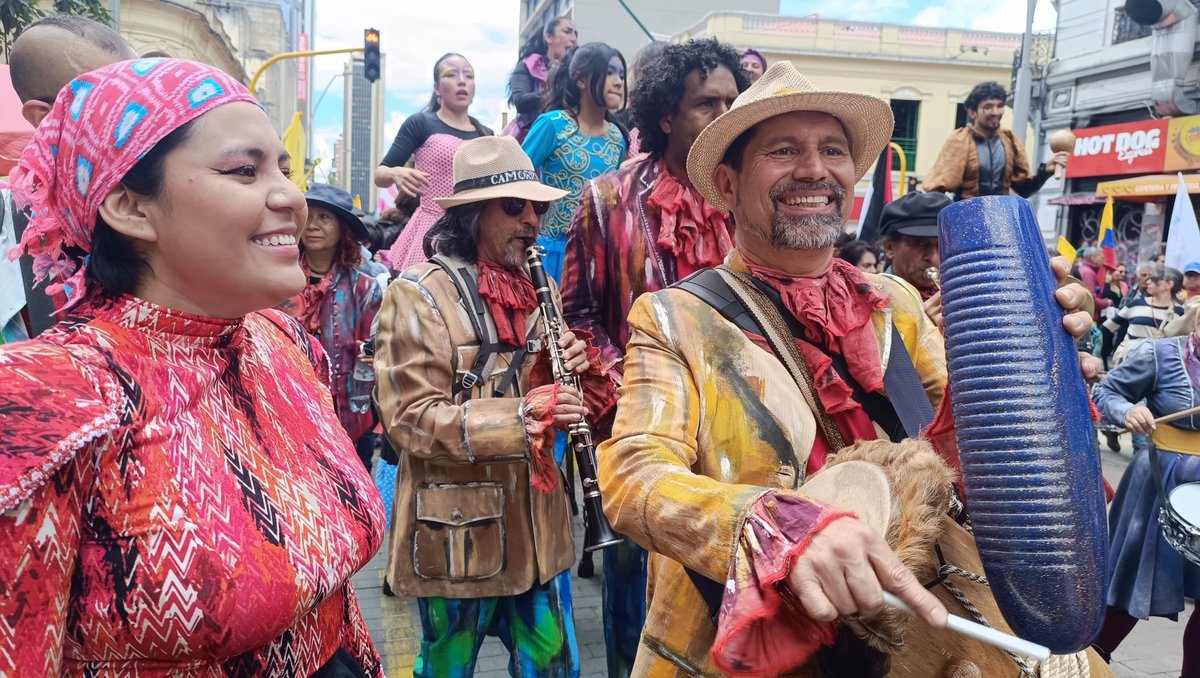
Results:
x,y
1152,650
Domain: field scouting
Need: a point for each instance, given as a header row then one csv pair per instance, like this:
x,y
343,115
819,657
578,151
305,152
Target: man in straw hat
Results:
x,y
482,531
740,382
639,230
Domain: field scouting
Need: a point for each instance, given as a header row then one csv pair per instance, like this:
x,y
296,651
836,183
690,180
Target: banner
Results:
x,y
1128,148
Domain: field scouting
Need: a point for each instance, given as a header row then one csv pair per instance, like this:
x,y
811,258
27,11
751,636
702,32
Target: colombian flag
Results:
x,y
1107,240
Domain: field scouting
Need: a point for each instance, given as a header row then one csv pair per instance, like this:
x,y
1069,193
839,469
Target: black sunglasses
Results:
x,y
515,207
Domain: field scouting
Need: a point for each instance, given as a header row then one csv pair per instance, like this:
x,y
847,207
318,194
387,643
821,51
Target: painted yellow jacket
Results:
x,y
707,423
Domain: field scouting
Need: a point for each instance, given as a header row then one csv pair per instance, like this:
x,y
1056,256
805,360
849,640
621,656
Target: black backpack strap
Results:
x,y
905,392
714,291
464,282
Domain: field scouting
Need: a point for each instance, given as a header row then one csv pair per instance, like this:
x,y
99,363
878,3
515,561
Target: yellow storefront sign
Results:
x,y
1183,143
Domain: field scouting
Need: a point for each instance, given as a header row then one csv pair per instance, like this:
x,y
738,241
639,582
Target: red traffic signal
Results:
x,y
371,54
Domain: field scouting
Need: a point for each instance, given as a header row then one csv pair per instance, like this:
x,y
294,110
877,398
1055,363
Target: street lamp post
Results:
x,y
1022,90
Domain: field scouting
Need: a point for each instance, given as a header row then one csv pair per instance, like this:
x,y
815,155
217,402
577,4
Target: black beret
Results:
x,y
913,214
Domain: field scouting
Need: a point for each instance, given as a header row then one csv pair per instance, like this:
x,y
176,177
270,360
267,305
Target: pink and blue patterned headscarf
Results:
x,y
102,124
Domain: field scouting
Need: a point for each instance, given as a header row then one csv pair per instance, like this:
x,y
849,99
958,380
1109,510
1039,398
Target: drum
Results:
x,y
952,566
1180,512
1180,520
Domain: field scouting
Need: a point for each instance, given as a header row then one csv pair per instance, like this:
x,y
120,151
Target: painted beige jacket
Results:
x,y
707,423
466,522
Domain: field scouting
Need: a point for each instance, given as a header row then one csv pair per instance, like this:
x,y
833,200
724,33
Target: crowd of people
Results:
x,y
186,463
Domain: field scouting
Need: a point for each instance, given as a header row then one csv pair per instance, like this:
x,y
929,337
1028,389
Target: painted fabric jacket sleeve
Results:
x,y
415,374
646,468
585,276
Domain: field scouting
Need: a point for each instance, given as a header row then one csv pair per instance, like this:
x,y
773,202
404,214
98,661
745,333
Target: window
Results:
x,y
905,132
960,116
1124,28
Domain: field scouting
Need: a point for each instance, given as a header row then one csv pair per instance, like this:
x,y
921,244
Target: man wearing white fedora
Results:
x,y
741,381
482,531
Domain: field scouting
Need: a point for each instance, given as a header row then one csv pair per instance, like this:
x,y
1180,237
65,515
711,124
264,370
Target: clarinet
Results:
x,y
597,533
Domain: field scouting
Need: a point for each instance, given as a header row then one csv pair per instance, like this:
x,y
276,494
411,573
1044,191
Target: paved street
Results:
x,y
1152,650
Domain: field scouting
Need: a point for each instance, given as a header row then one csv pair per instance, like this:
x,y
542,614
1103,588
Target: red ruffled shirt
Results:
x,y
835,308
690,228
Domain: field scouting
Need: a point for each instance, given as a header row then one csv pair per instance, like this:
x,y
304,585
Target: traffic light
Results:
x,y
371,54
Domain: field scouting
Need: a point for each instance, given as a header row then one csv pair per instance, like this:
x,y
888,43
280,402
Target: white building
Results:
x,y
1129,129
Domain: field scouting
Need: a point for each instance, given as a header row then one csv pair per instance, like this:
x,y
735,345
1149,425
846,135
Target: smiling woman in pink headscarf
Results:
x,y
176,493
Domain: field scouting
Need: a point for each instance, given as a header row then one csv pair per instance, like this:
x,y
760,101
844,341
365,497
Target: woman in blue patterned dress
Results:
x,y
577,139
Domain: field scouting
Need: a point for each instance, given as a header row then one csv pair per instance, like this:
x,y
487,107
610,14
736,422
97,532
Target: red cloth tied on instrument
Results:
x,y
510,298
538,411
691,229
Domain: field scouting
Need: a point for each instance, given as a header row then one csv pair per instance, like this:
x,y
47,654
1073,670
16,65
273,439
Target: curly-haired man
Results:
x,y
983,159
639,230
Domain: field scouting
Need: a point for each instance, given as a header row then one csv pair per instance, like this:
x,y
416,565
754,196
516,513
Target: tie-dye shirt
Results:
x,y
177,497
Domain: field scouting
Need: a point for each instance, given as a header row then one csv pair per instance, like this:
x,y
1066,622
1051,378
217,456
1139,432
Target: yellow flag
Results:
x,y
1065,249
293,141
358,202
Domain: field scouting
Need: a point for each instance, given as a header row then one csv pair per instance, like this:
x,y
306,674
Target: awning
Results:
x,y
1147,188
14,131
1077,198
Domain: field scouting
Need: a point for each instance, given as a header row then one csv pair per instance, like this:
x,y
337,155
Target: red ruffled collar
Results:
x,y
510,298
690,228
835,308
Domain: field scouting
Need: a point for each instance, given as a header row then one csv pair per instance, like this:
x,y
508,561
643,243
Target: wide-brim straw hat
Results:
x,y
782,89
495,167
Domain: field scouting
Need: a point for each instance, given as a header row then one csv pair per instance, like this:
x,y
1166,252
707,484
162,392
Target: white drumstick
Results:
x,y
983,634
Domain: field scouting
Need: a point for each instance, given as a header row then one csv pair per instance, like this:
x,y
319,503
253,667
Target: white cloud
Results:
x,y
930,16
413,34
1006,16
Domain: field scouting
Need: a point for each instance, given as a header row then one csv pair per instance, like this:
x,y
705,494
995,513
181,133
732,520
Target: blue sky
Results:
x,y
414,33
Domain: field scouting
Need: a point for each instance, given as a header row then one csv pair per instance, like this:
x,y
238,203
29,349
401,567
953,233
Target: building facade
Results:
x,y
362,140
926,73
237,36
183,29
1101,86
606,21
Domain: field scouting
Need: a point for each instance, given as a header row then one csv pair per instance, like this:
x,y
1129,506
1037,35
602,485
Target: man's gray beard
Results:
x,y
809,232
514,260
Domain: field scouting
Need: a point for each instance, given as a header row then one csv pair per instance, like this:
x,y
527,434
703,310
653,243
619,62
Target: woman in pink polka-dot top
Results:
x,y
430,139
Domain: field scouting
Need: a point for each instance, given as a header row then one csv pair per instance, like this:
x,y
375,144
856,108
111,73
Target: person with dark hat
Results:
x,y
339,304
909,231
